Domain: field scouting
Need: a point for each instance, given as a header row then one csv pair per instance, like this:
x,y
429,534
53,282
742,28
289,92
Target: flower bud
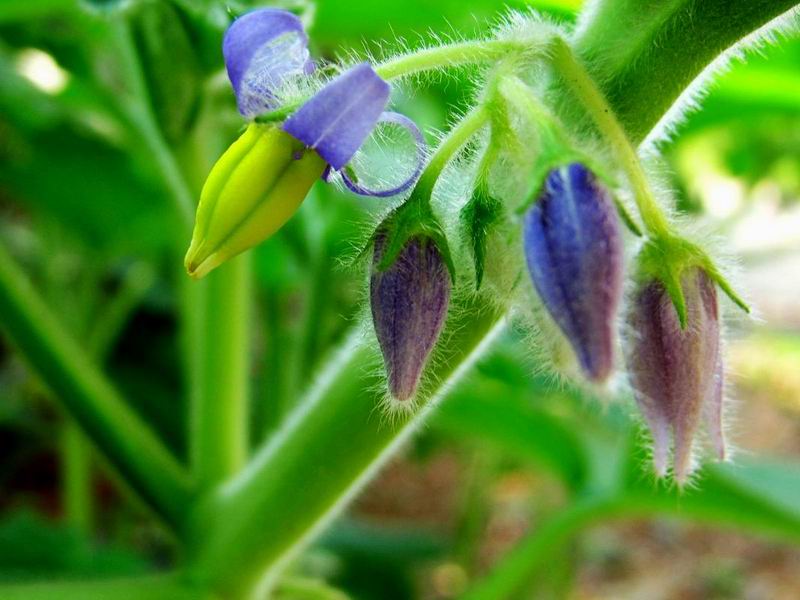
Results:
x,y
573,248
409,303
253,189
677,372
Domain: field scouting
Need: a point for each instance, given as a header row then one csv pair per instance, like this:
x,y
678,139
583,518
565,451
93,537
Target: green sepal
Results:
x,y
414,218
477,217
666,257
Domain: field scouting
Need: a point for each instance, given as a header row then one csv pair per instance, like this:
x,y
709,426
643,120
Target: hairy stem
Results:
x,y
451,55
579,82
329,447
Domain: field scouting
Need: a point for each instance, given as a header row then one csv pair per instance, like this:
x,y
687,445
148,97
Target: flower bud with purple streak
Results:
x,y
677,372
573,248
409,302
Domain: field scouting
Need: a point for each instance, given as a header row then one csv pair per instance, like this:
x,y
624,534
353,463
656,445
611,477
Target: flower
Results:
x,y
261,180
677,372
573,249
409,302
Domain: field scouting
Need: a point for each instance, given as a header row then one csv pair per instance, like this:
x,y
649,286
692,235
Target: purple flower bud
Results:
x,y
409,304
677,374
573,248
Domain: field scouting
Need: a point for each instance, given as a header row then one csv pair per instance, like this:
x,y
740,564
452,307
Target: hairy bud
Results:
x,y
573,248
677,372
409,303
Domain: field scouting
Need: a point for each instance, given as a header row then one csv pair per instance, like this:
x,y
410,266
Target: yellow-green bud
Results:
x,y
252,190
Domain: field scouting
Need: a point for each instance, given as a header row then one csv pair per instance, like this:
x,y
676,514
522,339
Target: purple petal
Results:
x,y
573,249
263,49
404,121
338,118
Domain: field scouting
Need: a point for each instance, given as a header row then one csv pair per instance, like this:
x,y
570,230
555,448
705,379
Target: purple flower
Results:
x,y
409,303
677,374
573,248
266,48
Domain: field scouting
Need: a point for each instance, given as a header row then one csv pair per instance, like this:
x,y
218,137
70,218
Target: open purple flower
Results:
x,y
573,248
409,303
267,48
677,373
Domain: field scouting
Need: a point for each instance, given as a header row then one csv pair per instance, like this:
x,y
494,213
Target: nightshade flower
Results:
x,y
677,373
409,303
260,181
573,248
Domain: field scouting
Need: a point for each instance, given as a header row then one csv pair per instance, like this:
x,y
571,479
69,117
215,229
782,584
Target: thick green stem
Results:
x,y
645,55
128,443
330,446
577,79
220,373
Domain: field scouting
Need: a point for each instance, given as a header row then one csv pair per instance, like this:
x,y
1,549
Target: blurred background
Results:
x,y
83,209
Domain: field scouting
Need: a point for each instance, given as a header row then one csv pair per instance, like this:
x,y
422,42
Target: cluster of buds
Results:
x,y
571,235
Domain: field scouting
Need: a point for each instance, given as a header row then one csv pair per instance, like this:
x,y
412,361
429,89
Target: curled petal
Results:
x,y
403,121
262,49
573,248
338,118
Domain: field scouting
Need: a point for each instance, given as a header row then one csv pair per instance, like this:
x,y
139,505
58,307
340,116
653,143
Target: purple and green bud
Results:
x,y
676,371
574,253
409,302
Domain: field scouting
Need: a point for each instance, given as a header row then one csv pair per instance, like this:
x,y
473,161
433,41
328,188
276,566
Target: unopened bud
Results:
x,y
253,189
677,372
409,304
573,248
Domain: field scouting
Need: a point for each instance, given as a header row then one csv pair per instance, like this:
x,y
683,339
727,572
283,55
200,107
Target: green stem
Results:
x,y
219,418
76,472
580,83
333,443
124,438
158,587
459,135
138,110
451,55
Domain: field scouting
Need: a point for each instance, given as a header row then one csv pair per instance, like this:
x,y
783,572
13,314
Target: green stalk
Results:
x,y
451,55
129,444
333,443
159,587
220,372
76,473
645,55
577,79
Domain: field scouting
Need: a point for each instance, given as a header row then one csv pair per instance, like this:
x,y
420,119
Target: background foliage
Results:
x,y
510,488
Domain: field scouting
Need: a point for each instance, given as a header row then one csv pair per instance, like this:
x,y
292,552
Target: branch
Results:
x,y
119,433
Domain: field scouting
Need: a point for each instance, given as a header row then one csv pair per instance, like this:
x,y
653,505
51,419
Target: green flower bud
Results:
x,y
253,189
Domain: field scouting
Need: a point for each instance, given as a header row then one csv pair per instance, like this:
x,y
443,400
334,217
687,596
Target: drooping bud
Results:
x,y
478,216
253,189
573,248
677,372
409,302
